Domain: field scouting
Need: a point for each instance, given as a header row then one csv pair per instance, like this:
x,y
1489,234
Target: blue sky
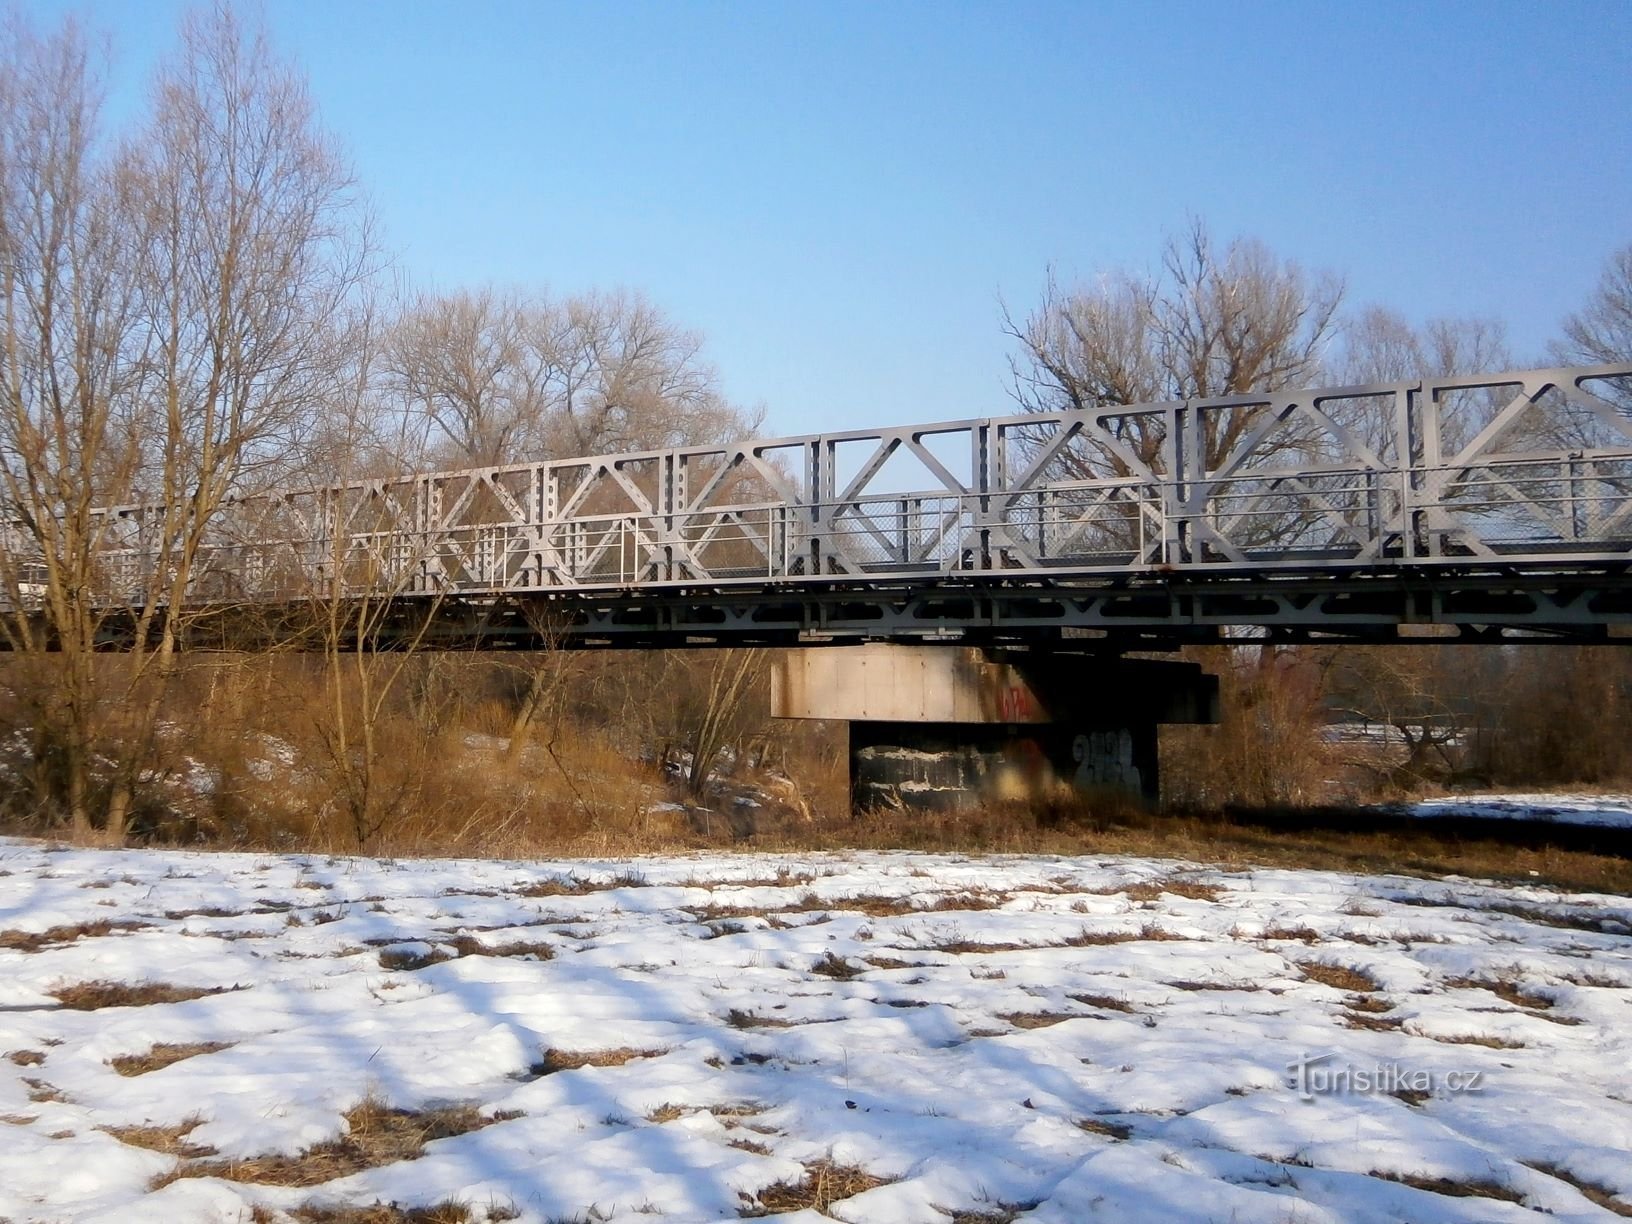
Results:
x,y
838,195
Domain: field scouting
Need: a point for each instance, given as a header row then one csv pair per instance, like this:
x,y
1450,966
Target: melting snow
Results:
x,y
1034,1038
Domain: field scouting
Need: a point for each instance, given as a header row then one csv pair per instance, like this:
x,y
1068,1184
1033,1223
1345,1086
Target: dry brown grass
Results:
x,y
554,1060
739,1019
1488,1040
375,1135
1086,938
1102,1001
27,1058
58,936
1152,890
94,996
825,1182
1339,977
892,962
1301,934
407,959
834,966
576,886
1601,1196
1455,1189
170,1140
41,1092
163,1055
1037,1020
998,1213
1099,1126
450,1211
1508,989
1369,1020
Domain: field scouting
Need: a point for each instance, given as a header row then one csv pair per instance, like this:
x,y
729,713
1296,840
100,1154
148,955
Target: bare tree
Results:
x,y
1601,331
506,378
1211,323
168,331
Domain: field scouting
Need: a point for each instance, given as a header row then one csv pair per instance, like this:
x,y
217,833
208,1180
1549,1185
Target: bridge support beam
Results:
x,y
949,726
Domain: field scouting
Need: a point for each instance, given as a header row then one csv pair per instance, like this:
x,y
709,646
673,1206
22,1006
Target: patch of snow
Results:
x,y
1101,1038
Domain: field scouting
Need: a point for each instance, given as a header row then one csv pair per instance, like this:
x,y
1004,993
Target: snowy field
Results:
x,y
867,1037
1605,811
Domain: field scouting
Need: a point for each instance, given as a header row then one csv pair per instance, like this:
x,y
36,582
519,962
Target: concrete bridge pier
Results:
x,y
947,726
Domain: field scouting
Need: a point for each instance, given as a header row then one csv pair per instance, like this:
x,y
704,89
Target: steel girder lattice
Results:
x,y
1525,472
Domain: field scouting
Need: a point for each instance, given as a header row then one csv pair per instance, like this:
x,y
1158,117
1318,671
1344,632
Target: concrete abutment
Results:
x,y
947,726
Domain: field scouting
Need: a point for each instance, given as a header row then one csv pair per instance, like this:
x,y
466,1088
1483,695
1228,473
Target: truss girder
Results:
x,y
1531,468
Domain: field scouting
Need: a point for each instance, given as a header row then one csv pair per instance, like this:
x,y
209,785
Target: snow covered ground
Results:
x,y
883,1037
1613,811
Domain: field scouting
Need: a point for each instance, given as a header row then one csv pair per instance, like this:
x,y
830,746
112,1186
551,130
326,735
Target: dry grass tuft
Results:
x,y
408,959
998,1213
1599,1195
1111,1130
835,966
1103,1002
576,886
27,1058
1368,1020
449,1211
1339,977
739,1019
1455,1189
170,1140
40,1092
94,996
469,945
1152,890
375,1135
1508,989
668,1113
1303,934
1090,939
163,1055
554,1060
1488,1040
1037,1020
891,962
57,936
825,1183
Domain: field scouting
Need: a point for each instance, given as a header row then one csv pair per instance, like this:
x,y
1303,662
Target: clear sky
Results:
x,y
839,194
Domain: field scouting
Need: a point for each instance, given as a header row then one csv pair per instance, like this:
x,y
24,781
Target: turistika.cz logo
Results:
x,y
1315,1075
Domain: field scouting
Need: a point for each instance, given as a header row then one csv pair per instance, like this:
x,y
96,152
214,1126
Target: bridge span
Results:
x,y
1474,508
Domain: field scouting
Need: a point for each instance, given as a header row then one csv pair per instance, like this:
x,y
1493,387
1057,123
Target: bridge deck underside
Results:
x,y
1391,606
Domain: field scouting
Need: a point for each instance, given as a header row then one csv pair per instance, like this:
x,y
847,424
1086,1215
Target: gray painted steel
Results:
x,y
1496,504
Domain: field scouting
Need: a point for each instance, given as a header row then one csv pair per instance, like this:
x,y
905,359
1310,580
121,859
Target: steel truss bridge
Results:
x,y
1467,509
